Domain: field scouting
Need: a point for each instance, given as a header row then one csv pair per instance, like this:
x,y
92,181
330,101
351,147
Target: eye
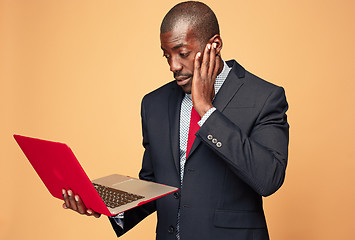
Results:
x,y
166,56
184,55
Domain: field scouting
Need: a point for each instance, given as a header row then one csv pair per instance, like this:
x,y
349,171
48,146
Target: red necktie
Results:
x,y
194,127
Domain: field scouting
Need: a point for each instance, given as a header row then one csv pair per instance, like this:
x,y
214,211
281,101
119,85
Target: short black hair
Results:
x,y
198,15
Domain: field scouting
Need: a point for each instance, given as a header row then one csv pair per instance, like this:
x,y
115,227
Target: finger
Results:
x,y
197,66
66,199
197,63
72,200
196,74
80,205
92,213
205,61
212,63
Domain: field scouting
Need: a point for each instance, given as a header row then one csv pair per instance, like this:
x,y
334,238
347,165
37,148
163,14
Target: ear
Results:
x,y
218,40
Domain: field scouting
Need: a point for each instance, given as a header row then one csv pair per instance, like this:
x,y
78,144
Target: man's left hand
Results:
x,y
205,73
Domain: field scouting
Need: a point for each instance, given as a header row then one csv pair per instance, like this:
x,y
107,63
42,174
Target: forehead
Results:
x,y
182,35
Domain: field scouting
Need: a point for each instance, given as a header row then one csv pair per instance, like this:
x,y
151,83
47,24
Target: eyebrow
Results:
x,y
176,47
179,46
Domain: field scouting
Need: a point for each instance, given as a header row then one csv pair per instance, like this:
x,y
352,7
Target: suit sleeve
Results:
x,y
259,158
133,216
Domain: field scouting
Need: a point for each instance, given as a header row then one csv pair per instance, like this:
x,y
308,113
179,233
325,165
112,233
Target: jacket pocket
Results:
x,y
239,219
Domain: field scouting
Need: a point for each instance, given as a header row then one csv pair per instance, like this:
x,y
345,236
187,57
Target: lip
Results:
x,y
182,80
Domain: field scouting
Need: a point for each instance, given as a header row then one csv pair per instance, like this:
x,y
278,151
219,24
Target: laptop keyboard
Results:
x,y
115,198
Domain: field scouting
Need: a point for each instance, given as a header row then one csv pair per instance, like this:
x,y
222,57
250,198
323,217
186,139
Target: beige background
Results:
x,y
76,71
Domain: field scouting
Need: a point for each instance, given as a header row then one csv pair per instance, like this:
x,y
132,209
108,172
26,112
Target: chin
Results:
x,y
186,89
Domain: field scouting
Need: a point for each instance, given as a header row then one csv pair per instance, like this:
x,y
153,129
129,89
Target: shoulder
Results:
x,y
159,99
265,92
254,89
249,78
259,85
161,93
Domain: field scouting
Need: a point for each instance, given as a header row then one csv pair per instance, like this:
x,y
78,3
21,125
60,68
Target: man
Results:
x,y
240,149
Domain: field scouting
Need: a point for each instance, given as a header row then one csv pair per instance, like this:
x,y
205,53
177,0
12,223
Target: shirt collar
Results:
x,y
221,77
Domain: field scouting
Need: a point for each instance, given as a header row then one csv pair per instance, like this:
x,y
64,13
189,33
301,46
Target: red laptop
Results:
x,y
58,168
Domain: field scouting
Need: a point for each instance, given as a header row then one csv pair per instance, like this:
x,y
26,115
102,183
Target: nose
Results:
x,y
175,65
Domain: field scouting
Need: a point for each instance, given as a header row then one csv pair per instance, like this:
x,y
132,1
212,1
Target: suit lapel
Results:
x,y
230,87
174,104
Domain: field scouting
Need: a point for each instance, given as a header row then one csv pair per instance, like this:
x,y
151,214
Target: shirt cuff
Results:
x,y
119,219
205,117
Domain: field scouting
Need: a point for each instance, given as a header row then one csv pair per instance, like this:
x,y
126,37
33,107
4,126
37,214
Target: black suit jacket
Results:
x,y
225,178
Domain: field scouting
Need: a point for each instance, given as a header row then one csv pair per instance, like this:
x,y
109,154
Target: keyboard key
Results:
x,y
114,197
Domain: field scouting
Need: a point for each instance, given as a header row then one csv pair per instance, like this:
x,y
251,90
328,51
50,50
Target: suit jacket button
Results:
x,y
209,137
219,144
171,229
214,140
176,195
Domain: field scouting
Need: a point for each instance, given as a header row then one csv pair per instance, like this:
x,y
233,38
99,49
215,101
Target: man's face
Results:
x,y
180,47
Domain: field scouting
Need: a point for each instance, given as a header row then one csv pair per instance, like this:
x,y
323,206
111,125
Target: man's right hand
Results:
x,y
73,202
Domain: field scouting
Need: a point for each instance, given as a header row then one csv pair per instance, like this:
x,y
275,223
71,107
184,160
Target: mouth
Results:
x,y
181,81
